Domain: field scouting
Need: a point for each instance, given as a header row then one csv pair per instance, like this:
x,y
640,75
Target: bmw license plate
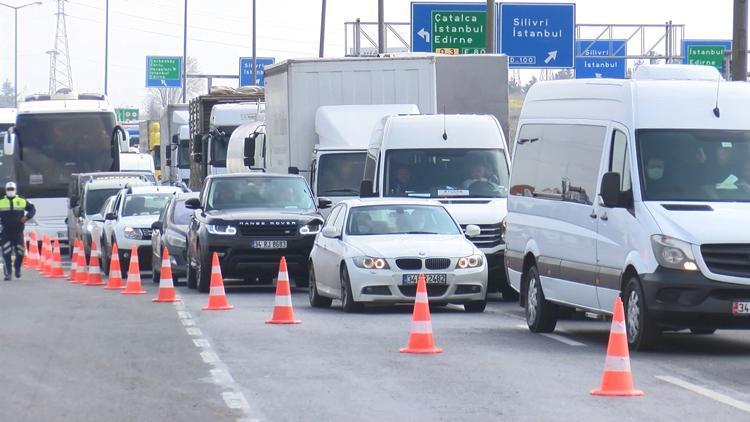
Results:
x,y
428,278
269,244
740,308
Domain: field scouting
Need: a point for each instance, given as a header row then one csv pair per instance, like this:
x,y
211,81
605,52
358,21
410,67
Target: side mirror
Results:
x,y
472,231
193,204
9,141
324,203
110,216
249,150
365,189
293,170
610,191
157,225
331,232
120,140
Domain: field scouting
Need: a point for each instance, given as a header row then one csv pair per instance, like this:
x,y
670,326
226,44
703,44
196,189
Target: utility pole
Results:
x,y
255,69
15,46
61,75
322,28
106,46
490,28
739,41
381,26
184,57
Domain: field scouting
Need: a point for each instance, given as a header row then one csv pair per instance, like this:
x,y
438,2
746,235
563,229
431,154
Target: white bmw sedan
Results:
x,y
373,251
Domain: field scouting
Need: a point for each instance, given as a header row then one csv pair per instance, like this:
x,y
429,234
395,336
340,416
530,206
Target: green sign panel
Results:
x,y
458,32
708,55
126,114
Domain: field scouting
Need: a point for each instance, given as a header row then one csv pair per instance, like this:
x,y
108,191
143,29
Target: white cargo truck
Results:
x,y
171,121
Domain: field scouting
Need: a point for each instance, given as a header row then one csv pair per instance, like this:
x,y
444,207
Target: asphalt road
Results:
x,y
82,353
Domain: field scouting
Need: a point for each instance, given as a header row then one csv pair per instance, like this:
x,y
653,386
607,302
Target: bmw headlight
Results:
x,y
370,263
673,253
133,233
471,261
221,229
311,228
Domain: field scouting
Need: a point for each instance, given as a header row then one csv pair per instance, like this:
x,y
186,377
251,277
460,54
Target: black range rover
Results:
x,y
251,220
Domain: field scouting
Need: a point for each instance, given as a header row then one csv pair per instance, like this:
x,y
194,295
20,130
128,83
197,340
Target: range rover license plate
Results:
x,y
740,308
269,244
428,278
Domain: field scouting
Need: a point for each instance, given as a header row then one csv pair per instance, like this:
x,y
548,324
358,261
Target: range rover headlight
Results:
x,y
370,263
221,229
673,253
471,261
311,228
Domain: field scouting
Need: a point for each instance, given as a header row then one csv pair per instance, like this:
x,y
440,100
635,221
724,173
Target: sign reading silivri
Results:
x,y
537,35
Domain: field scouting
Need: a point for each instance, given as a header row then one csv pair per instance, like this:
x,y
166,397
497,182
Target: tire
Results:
x,y
541,315
203,273
642,332
191,279
703,331
105,261
316,300
509,294
348,304
476,306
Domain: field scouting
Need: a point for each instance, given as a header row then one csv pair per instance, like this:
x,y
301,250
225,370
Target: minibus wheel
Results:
x,y
541,314
642,331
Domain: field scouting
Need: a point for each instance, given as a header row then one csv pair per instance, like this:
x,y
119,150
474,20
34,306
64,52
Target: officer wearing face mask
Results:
x,y
14,212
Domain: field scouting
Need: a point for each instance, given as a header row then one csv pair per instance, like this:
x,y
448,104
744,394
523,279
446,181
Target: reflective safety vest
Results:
x,y
16,204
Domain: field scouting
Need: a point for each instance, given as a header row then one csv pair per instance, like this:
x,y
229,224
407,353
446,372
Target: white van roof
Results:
x,y
236,114
426,131
351,125
665,96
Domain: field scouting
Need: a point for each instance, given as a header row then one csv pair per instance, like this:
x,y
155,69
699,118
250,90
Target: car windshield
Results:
x,y
441,173
145,204
260,192
181,215
340,174
400,219
694,165
95,199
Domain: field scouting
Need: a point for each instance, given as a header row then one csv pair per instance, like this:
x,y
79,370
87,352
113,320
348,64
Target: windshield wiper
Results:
x,y
343,190
418,232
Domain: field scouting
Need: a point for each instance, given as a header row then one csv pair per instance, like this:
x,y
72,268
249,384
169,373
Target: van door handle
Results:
x,y
593,214
604,217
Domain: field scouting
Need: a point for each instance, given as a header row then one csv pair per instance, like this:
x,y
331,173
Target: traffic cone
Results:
x,y
115,273
421,340
283,313
617,379
217,298
133,287
95,271
33,251
74,261
56,270
166,284
82,275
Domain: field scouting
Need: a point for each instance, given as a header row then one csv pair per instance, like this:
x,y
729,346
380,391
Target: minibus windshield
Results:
x,y
694,164
446,173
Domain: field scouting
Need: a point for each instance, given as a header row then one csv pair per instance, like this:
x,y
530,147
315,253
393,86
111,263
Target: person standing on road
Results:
x,y
14,212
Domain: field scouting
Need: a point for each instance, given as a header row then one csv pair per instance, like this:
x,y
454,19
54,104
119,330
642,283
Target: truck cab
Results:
x,y
225,118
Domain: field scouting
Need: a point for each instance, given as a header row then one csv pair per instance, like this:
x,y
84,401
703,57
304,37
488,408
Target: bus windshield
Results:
x,y
52,146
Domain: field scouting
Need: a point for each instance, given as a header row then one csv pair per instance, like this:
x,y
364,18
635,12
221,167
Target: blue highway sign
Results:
x,y
537,35
163,71
589,63
246,65
447,18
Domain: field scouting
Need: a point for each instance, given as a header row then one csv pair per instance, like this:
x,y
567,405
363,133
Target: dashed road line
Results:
x,y
201,342
194,331
705,392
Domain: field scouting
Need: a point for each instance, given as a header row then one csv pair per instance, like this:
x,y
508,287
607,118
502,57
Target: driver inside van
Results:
x,y
655,182
478,173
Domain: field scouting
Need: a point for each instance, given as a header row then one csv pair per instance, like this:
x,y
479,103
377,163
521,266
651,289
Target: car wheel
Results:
x,y
316,300
541,315
475,306
191,281
348,304
105,260
642,332
203,272
509,294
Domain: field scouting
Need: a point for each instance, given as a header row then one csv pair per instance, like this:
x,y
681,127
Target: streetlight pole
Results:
x,y
254,82
106,46
15,46
184,57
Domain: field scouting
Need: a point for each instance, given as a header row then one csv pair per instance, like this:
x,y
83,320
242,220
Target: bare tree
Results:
x,y
157,99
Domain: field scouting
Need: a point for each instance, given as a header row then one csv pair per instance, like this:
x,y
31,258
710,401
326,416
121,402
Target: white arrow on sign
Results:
x,y
598,75
424,34
552,55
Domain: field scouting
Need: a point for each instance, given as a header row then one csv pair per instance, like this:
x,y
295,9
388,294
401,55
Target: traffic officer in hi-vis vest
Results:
x,y
14,212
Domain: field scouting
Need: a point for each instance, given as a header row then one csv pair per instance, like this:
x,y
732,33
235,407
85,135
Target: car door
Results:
x,y
616,225
326,265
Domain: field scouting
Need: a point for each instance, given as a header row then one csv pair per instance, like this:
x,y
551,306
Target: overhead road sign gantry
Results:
x,y
246,74
603,58
163,72
537,35
706,52
448,28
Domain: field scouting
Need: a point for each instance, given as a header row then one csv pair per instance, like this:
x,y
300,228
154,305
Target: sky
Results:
x,y
219,32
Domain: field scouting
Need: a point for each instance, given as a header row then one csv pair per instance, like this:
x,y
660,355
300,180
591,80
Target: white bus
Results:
x,y
55,136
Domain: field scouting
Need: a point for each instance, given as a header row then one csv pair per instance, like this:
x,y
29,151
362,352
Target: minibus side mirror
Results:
x,y
9,141
610,191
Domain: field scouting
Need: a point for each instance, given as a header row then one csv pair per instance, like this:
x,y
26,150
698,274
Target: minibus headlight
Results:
x,y
673,253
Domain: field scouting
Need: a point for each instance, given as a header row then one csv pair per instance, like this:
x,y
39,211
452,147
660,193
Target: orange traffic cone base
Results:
x,y
624,393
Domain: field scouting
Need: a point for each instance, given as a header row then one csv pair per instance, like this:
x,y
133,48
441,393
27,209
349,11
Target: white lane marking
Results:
x,y
221,376
183,315
194,331
187,322
703,391
235,400
201,342
209,357
563,340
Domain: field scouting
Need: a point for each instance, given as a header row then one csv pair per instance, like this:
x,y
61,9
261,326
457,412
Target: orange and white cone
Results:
x,y
95,270
217,297
82,274
166,284
283,313
617,380
56,270
33,251
133,286
73,261
115,272
421,340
